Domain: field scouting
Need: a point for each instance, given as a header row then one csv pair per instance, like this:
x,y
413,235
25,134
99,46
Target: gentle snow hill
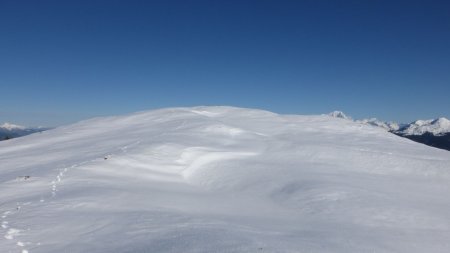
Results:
x,y
222,179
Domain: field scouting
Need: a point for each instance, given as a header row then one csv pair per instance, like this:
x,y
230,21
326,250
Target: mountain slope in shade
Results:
x,y
435,133
222,179
441,141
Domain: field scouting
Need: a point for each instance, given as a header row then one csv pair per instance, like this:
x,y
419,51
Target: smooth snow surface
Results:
x,y
222,179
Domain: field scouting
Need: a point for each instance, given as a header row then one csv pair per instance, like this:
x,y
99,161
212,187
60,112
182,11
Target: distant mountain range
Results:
x,y
433,132
9,131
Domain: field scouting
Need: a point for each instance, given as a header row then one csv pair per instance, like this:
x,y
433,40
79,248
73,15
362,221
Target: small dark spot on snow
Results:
x,y
23,178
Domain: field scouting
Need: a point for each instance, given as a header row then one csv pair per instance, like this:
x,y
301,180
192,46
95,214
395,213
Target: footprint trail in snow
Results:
x,y
13,233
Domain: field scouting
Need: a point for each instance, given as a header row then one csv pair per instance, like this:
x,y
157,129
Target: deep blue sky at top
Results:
x,y
62,61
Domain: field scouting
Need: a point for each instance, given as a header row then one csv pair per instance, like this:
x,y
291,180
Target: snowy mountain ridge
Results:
x,y
389,126
11,127
436,127
8,130
222,179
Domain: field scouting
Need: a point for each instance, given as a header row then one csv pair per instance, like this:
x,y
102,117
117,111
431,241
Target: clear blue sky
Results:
x,y
62,61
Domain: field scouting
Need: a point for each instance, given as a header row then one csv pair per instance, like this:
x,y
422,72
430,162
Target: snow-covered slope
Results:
x,y
222,179
438,126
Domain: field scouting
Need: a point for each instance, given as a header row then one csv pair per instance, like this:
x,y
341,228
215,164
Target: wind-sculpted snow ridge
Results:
x,y
222,179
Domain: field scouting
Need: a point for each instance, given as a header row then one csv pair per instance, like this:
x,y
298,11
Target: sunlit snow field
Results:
x,y
222,179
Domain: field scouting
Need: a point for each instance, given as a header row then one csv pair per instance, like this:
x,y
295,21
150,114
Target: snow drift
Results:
x,y
222,179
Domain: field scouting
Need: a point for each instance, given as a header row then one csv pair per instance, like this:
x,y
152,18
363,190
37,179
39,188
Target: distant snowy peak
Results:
x,y
339,114
390,126
11,127
438,126
9,131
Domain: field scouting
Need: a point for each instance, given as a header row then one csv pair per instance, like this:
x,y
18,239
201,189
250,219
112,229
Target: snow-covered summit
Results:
x,y
339,114
435,126
222,179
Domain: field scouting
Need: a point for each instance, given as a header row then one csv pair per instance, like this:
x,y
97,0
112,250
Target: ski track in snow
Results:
x,y
12,233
